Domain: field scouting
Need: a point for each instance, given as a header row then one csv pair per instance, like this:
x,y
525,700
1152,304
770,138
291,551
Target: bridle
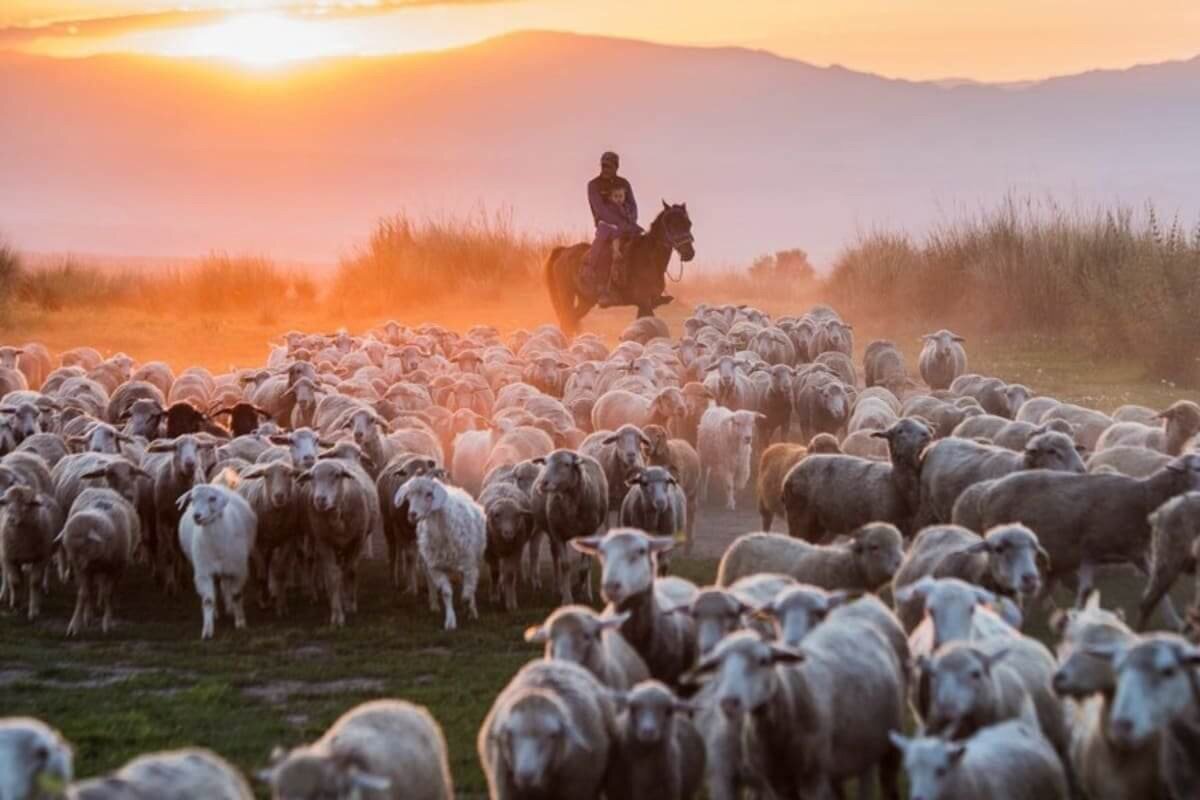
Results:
x,y
674,243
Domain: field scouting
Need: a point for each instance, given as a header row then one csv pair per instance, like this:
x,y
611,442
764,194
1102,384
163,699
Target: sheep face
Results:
x,y
305,775
627,443
669,405
836,336
727,371
20,504
535,735
657,451
104,439
833,399
37,761
426,496
878,548
509,521
717,613
121,477
1015,559
327,479
650,713
300,369
574,634
960,684
562,473
1154,684
1016,395
302,445
207,504
940,348
655,483
950,603
364,425
798,610
145,417
1053,450
741,427
689,350
24,420
1181,422
1081,673
743,672
929,763
628,559
1188,468
9,355
278,479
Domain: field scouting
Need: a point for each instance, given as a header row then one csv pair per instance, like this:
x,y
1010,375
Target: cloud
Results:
x,y
17,36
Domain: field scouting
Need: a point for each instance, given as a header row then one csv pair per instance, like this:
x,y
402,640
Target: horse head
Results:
x,y
676,228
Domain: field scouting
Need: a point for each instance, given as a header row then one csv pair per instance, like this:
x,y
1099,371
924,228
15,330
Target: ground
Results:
x,y
152,684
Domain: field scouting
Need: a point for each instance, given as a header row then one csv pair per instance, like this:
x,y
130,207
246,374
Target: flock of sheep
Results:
x,y
966,497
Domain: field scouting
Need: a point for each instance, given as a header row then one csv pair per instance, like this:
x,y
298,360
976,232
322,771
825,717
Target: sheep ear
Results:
x,y
695,675
661,544
977,548
990,661
619,698
786,655
841,598
1105,652
1043,562
365,780
184,499
161,446
575,734
899,740
587,544
614,621
955,752
537,634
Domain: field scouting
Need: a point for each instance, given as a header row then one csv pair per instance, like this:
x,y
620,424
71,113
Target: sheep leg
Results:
x,y
277,583
534,558
889,769
441,583
408,556
702,491
206,588
493,565
1155,591
12,582
46,577
509,569
231,593
561,571
333,587
83,607
730,500
350,587
1086,580
37,578
431,587
105,585
470,578
260,571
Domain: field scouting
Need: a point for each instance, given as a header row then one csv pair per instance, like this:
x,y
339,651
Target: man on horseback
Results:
x,y
614,210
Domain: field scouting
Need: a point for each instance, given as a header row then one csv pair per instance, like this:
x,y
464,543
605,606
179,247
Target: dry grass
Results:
x,y
1117,282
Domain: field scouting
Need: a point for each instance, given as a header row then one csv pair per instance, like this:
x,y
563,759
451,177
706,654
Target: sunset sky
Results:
x,y
992,40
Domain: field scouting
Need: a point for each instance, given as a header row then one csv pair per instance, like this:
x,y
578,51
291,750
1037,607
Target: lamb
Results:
x,y
174,775
1008,760
866,562
339,515
726,441
628,561
952,465
1156,697
656,505
29,521
549,733
1175,527
814,716
1086,520
774,465
384,749
271,491
1105,771
570,499
97,543
719,612
832,494
509,518
660,753
1009,560
581,636
451,537
35,760
942,358
216,535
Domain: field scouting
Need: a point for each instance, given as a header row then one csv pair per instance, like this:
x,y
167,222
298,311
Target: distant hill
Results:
x,y
120,154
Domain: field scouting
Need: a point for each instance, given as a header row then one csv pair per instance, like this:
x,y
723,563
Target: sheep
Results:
x,y
811,717
175,467
1182,421
864,444
24,419
1008,560
1134,461
29,521
797,610
656,505
866,562
48,446
216,535
730,387
616,408
776,405
1175,526
1008,760
1087,423
774,347
549,733
244,417
97,542
271,491
942,358
1015,434
35,760
718,612
1155,697
871,413
339,516
26,469
822,403
173,775
944,417
773,466
384,749
832,494
451,537
581,636
660,753
628,558
726,440
984,426
833,336
1105,771
994,395
955,611
519,444
1086,520
570,499
509,521
882,363
620,454
684,463
71,474
951,465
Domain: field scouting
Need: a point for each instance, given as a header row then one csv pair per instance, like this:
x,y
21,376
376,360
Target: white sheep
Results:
x,y
35,761
451,537
217,531
381,750
29,521
726,442
1174,528
866,562
719,612
550,733
942,358
580,635
175,775
97,541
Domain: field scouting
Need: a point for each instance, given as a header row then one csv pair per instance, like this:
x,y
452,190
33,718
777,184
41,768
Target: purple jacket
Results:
x,y
622,217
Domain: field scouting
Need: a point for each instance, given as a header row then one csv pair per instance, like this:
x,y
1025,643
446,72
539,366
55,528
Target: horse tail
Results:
x,y
563,305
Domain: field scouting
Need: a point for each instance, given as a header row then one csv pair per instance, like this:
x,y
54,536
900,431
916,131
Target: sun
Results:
x,y
261,39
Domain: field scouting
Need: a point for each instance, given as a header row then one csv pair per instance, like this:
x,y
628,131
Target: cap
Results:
x,y
610,157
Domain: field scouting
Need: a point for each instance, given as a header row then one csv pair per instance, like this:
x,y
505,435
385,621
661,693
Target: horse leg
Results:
x,y
645,311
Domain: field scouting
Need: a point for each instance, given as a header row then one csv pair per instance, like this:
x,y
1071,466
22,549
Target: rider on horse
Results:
x,y
614,211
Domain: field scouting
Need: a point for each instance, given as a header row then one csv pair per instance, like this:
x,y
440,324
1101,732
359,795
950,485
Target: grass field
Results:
x,y
152,684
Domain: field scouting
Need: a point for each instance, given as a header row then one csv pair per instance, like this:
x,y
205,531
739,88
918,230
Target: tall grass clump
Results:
x,y
409,260
10,274
1115,280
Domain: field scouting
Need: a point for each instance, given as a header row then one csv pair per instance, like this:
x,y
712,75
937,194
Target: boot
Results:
x,y
609,296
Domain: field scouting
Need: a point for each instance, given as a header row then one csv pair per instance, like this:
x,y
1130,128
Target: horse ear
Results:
x,y
684,207
666,206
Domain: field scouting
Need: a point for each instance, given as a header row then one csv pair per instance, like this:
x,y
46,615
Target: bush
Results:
x,y
783,265
10,276
1115,280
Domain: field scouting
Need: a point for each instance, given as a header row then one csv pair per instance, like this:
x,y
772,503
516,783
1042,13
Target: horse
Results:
x,y
646,261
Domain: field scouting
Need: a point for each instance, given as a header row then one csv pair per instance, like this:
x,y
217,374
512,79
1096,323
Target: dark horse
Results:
x,y
646,261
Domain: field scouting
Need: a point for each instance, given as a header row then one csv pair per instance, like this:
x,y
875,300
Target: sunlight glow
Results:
x,y
259,39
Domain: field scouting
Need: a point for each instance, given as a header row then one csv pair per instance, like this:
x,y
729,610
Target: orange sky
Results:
x,y
920,39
